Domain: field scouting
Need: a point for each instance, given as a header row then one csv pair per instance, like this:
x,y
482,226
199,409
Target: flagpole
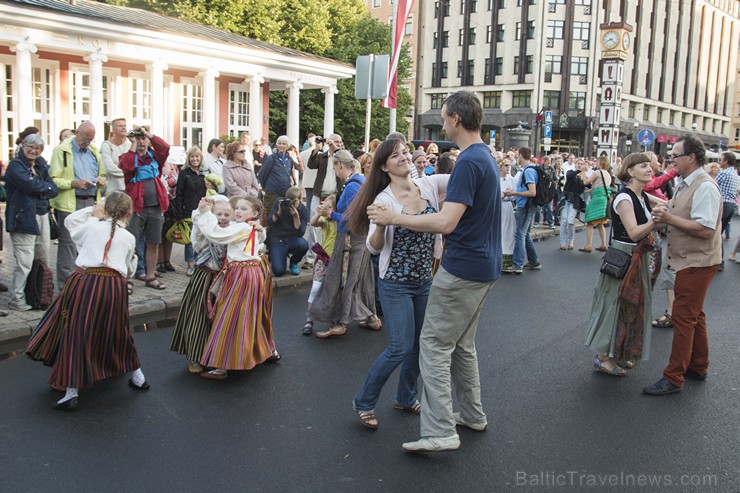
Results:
x,y
392,116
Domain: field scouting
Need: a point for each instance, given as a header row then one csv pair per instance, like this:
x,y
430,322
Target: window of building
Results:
x,y
438,100
579,65
527,68
42,79
581,30
499,66
80,94
376,3
460,37
471,36
238,109
445,8
554,64
516,65
577,101
518,33
521,99
660,115
488,34
530,30
492,99
551,99
473,6
191,114
632,109
409,28
139,96
490,4
500,33
737,134
502,4
555,29
487,72
582,2
443,75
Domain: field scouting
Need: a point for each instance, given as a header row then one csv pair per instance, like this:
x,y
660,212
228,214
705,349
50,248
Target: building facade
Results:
x,y
64,62
735,128
523,56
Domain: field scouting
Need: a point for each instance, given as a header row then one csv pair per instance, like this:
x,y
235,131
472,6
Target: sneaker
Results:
x,y
552,226
433,444
473,426
511,270
294,269
19,307
533,266
191,271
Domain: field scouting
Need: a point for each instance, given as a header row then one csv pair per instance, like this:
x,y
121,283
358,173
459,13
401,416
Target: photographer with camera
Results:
x,y
287,222
142,167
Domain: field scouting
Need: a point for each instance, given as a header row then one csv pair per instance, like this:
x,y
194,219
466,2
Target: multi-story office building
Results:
x,y
521,56
735,128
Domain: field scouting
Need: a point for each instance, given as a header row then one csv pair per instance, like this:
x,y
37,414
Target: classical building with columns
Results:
x,y
63,62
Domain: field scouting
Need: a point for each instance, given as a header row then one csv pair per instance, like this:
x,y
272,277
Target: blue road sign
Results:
x,y
547,130
492,134
548,116
646,137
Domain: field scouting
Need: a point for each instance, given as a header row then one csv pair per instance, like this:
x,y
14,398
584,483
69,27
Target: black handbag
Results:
x,y
53,227
615,262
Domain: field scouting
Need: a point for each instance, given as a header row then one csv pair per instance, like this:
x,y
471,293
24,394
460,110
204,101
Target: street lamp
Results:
x,y
694,126
635,126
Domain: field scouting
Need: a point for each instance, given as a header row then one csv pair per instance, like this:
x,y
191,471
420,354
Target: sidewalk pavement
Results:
x,y
146,304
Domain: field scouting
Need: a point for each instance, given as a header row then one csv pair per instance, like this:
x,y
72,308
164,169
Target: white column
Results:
x,y
329,93
95,61
294,112
255,105
23,83
210,127
156,83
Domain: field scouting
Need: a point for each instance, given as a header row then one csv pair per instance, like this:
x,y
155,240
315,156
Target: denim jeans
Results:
x,y
404,305
190,253
547,215
280,248
522,240
567,224
140,256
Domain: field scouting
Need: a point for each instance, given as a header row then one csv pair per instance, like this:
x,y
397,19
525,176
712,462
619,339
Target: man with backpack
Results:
x,y
525,193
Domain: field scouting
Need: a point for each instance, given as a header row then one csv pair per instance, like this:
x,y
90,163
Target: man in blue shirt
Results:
x,y
276,174
526,189
471,221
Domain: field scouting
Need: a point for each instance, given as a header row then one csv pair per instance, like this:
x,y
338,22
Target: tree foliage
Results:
x,y
337,29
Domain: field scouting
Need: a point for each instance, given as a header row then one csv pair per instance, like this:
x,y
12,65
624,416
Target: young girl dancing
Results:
x,y
323,252
193,322
241,336
84,336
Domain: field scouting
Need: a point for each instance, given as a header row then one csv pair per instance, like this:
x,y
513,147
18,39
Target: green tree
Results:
x,y
337,29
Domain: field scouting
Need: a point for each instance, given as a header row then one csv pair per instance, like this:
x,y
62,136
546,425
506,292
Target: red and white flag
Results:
x,y
402,15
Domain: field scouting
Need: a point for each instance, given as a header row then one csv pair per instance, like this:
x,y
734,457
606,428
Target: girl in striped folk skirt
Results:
x,y
194,322
241,335
84,336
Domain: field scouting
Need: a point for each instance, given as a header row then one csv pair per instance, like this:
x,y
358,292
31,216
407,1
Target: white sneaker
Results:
x,y
433,444
472,426
21,307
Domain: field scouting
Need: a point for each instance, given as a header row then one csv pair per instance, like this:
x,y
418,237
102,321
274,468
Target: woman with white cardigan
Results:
x,y
405,278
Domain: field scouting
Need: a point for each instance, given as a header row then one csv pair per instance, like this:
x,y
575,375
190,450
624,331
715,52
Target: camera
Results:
x,y
319,139
135,133
285,204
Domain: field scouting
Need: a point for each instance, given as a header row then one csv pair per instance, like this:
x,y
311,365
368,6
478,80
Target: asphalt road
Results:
x,y
553,421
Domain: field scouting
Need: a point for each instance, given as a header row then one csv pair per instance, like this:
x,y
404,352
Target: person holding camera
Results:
x,y
142,168
287,222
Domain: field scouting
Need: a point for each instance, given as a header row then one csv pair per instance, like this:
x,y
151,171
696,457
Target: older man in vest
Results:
x,y
694,251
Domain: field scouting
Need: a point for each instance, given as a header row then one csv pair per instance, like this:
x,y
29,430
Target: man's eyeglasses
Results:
x,y
676,156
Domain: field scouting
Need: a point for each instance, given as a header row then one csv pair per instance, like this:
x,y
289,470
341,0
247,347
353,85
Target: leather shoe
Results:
x,y
695,375
67,405
143,386
661,387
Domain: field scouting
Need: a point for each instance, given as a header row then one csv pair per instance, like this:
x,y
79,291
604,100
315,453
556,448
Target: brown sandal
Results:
x,y
155,284
367,324
416,408
368,419
664,322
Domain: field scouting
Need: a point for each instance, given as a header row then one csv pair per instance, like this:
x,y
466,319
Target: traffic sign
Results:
x,y
547,130
492,134
646,137
548,116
